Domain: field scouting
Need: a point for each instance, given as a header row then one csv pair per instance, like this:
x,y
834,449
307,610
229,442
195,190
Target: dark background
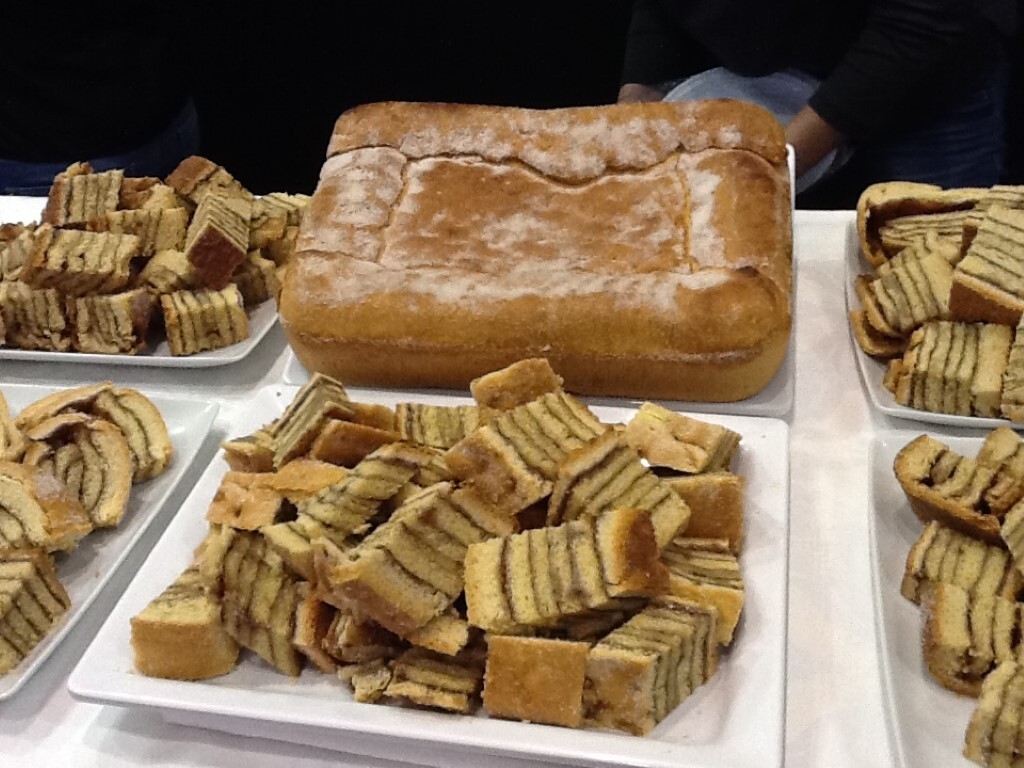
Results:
x,y
276,82
282,83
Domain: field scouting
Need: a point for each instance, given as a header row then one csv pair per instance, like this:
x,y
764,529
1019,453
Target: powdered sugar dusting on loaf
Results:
x,y
353,202
707,248
729,136
572,145
469,213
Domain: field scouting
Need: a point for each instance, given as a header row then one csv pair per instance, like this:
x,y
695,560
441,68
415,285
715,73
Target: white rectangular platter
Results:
x,y
774,401
158,355
737,719
872,371
85,571
927,722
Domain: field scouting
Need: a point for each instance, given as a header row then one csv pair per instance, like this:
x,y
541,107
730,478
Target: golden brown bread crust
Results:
x,y
515,385
716,506
424,129
448,241
535,679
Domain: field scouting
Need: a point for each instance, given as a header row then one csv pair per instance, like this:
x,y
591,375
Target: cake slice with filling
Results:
x,y
279,244
318,400
342,512
513,461
439,426
942,555
256,279
716,506
167,272
32,600
409,571
965,636
180,635
955,490
158,229
142,425
34,318
79,263
992,734
313,619
196,177
37,510
706,572
903,232
111,324
988,283
544,576
202,320
92,458
259,598
218,240
911,291
438,682
669,439
79,195
1011,404
640,672
606,474
346,443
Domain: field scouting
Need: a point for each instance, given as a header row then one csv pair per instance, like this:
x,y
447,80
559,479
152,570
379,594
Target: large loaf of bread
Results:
x,y
644,249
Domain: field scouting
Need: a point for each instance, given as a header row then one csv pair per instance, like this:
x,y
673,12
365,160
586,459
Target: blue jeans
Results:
x,y
158,157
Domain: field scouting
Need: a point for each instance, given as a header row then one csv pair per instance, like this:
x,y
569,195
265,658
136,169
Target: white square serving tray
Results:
x,y
737,719
86,570
261,320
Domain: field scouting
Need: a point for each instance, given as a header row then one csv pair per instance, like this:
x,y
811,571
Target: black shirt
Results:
x,y
89,81
881,62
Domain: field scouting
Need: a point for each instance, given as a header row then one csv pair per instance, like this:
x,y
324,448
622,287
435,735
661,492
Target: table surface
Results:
x,y
834,710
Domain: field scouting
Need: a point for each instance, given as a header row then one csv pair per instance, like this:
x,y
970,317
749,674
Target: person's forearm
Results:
x,y
812,138
634,92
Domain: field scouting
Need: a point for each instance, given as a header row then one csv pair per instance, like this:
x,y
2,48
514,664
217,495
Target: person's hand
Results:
x,y
812,138
633,92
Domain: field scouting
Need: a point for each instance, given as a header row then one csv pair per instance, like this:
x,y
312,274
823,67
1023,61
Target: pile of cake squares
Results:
x,y
944,305
113,250
516,553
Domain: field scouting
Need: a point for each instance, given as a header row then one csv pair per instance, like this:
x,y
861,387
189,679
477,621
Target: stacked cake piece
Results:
x,y
517,552
113,249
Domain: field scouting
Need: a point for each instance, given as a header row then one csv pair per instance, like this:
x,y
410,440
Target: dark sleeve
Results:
x,y
654,46
903,48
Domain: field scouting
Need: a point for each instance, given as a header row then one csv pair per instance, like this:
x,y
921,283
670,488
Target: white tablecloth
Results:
x,y
834,711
